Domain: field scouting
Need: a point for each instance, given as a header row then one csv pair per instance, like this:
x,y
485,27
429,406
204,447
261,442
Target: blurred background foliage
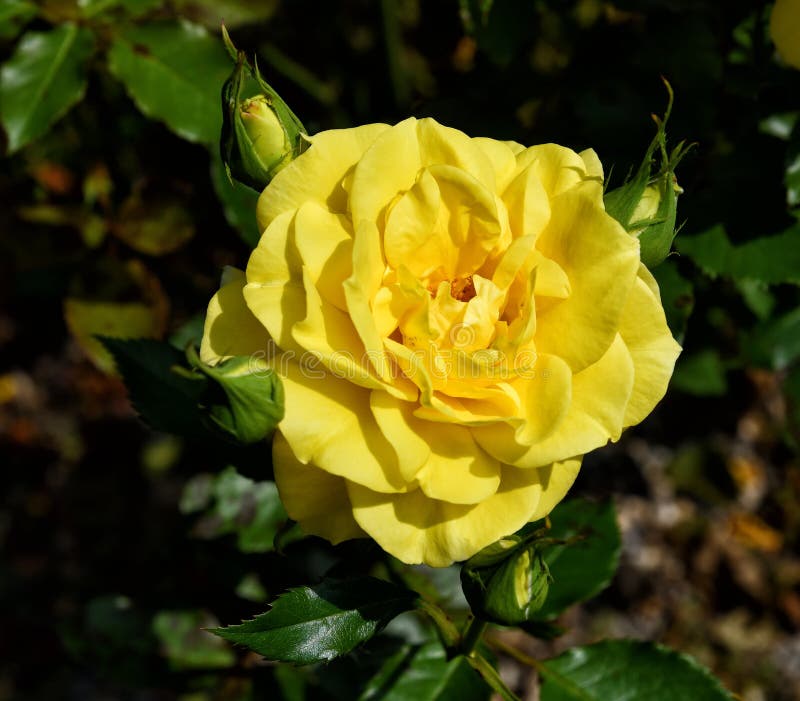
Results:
x,y
120,544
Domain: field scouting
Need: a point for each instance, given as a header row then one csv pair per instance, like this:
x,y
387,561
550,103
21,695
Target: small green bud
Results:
x,y
507,582
260,134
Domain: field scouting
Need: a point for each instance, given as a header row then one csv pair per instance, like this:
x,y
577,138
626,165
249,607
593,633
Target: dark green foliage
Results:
x,y
584,566
769,259
423,673
42,80
166,400
317,624
173,72
628,669
243,399
107,103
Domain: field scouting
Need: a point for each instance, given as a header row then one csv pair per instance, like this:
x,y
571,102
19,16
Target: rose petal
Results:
x,y
442,458
644,330
275,292
230,327
328,423
600,395
416,528
324,241
318,174
316,499
600,260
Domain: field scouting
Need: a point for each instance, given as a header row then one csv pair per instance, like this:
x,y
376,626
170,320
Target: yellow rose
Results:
x,y
456,322
784,26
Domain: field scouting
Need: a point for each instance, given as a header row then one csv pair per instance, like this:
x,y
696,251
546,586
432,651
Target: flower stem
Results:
x,y
472,636
483,667
543,670
447,631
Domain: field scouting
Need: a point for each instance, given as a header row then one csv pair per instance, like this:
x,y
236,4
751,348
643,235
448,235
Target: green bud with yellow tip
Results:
x,y
265,133
507,582
646,205
260,134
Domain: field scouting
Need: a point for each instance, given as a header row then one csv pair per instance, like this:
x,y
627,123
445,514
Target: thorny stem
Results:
x,y
490,675
447,630
472,636
542,669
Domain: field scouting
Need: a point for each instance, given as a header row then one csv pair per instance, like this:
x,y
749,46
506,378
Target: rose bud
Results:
x,y
260,134
268,139
507,582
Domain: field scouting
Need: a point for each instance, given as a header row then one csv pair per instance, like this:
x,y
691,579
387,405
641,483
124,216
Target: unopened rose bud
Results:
x,y
507,582
267,137
646,212
646,209
646,205
260,134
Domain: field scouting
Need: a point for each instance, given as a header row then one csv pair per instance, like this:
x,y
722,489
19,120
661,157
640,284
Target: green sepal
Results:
x,y
506,582
275,136
646,205
243,402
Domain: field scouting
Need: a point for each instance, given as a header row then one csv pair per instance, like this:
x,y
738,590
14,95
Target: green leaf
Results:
x,y
238,202
771,259
250,588
779,125
232,13
133,8
42,80
292,683
757,297
582,569
258,535
627,669
424,674
153,226
88,319
252,510
190,332
701,374
174,73
792,175
776,342
317,624
677,297
186,643
500,29
244,400
14,15
791,390
166,400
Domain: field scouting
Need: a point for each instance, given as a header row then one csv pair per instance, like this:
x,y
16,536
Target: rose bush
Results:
x,y
456,321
